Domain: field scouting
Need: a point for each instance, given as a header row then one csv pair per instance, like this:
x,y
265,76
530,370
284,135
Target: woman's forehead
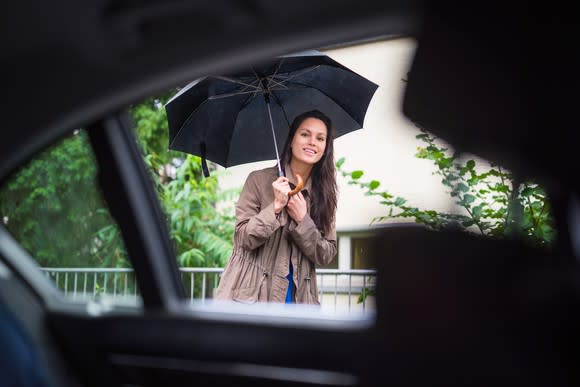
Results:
x,y
313,125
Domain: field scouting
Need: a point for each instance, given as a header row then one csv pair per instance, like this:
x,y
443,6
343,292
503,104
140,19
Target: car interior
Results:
x,y
452,308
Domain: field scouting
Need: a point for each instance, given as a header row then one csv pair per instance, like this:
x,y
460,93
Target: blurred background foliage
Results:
x,y
53,208
201,228
490,200
57,194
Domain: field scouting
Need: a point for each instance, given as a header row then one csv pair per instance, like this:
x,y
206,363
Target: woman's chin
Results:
x,y
311,160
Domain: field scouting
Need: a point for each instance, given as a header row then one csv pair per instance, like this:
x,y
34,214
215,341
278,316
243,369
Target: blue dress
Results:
x,y
290,292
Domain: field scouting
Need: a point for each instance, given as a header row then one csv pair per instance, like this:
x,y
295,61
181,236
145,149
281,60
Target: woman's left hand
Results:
x,y
297,207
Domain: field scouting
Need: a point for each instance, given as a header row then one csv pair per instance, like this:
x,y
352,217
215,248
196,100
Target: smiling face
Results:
x,y
309,141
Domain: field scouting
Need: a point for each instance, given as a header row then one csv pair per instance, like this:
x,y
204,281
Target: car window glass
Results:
x,y
54,208
389,173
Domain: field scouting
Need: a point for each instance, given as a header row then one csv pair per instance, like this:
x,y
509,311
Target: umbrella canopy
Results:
x,y
245,117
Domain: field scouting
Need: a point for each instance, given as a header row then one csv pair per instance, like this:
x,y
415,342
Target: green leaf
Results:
x,y
356,174
444,162
374,184
399,201
501,188
340,162
468,199
527,191
473,181
477,210
462,187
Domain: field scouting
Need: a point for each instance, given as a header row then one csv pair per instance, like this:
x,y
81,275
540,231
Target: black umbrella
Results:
x,y
233,119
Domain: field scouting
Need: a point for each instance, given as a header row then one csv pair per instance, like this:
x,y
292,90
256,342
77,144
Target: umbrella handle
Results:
x,y
299,186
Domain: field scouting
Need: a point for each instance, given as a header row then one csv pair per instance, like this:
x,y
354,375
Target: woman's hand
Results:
x,y
281,188
297,207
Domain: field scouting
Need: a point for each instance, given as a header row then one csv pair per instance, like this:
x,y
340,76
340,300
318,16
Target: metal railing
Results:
x,y
338,289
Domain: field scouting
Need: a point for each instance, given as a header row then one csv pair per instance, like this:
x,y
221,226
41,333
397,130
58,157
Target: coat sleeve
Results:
x,y
255,222
319,249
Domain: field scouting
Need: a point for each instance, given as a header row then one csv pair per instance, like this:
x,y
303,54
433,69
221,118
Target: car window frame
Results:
x,y
133,203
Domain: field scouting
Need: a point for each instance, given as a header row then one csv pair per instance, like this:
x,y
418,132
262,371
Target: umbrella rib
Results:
x,y
219,96
286,88
259,82
236,81
275,83
271,78
297,74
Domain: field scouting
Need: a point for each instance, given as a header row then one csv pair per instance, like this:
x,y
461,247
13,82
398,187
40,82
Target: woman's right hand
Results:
x,y
281,187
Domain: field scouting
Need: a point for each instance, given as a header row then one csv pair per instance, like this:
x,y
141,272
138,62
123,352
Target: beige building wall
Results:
x,y
384,149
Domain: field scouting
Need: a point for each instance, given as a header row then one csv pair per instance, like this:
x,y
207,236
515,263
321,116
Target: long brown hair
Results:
x,y
324,195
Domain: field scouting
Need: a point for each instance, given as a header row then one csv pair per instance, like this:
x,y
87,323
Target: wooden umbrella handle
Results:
x,y
299,186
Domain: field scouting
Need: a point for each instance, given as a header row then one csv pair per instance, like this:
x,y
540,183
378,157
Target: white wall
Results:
x,y
384,149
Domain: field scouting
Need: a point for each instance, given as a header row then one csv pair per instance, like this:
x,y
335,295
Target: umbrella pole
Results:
x,y
267,97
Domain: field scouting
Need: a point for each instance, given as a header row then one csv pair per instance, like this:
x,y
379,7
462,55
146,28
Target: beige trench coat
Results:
x,y
264,243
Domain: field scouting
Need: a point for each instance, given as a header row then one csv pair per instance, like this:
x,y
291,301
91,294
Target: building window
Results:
x,y
362,253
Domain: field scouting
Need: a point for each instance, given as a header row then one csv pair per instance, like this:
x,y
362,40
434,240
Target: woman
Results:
x,y
279,239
